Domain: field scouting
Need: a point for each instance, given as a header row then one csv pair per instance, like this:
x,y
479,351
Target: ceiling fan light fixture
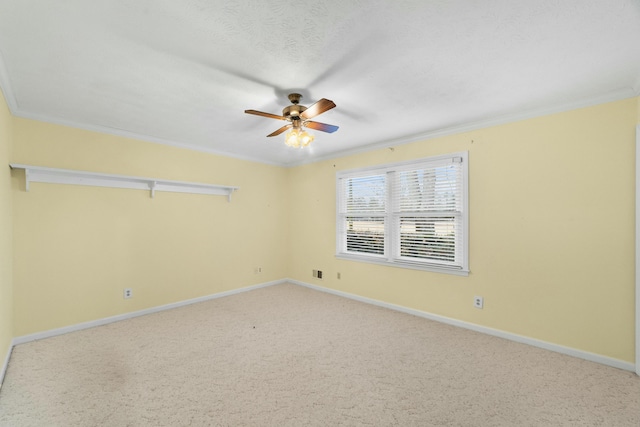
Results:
x,y
291,138
305,138
298,138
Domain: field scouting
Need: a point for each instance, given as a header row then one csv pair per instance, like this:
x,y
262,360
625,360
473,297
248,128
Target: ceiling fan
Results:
x,y
298,116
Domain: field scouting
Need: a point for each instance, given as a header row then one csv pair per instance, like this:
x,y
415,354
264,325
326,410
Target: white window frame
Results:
x,y
391,255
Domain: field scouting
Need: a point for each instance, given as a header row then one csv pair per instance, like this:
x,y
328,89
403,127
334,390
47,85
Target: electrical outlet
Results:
x,y
319,274
257,270
314,273
478,302
339,275
128,293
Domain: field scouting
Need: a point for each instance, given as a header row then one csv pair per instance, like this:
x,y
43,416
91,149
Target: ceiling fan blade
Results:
x,y
269,115
321,126
317,108
279,131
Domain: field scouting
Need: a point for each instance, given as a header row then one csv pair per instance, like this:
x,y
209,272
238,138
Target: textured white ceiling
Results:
x,y
184,72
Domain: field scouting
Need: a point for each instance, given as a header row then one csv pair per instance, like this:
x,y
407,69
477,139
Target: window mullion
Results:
x,y
391,225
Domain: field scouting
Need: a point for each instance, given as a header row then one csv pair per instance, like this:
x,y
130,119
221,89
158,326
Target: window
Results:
x,y
410,214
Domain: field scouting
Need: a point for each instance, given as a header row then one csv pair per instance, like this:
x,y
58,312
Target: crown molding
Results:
x,y
140,137
14,108
5,87
636,86
617,95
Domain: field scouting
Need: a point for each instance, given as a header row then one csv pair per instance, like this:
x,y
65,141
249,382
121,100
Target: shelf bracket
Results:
x,y
26,180
152,187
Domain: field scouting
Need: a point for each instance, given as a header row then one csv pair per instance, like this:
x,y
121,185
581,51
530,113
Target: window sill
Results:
x,y
411,266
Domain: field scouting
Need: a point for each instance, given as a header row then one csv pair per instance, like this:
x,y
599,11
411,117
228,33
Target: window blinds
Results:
x,y
364,213
410,213
428,211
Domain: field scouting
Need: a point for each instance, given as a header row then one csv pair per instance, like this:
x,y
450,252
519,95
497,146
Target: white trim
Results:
x,y
134,135
5,365
391,249
638,249
106,320
5,87
636,87
433,268
75,177
604,360
613,96
9,97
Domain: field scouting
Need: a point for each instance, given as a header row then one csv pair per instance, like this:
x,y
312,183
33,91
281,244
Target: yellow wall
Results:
x,y
76,248
551,240
551,230
6,249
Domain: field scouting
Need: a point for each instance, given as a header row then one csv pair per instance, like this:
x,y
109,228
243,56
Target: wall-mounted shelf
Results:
x,y
75,177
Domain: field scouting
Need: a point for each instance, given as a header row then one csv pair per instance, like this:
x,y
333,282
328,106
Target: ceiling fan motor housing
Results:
x,y
293,111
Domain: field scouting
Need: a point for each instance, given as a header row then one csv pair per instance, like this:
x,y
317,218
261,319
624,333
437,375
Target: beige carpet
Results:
x,y
290,356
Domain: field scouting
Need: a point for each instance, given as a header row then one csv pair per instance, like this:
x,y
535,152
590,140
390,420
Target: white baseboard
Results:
x,y
6,362
593,357
605,360
99,322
